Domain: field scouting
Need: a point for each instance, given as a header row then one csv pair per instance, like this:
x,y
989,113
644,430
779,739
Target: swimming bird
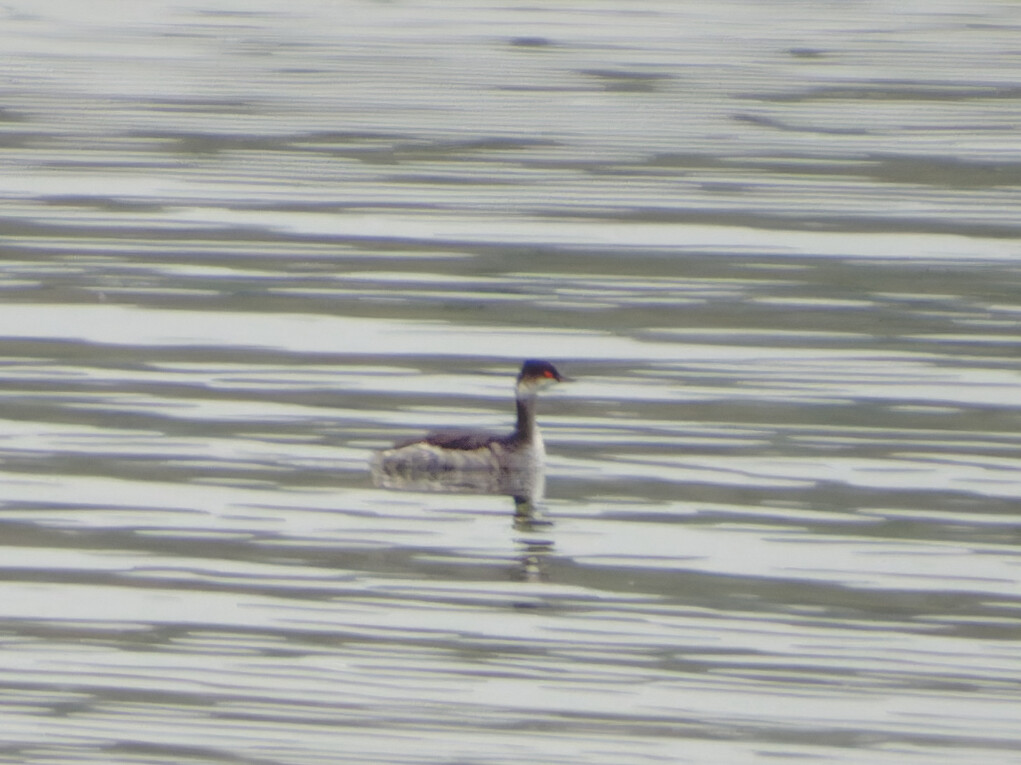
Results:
x,y
523,449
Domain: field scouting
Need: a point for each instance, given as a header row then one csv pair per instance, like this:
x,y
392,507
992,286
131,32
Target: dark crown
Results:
x,y
534,369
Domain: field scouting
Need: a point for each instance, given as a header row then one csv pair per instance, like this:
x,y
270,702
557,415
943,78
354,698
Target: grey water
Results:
x,y
243,245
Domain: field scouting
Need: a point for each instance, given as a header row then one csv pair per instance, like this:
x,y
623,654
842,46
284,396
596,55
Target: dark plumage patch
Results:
x,y
461,440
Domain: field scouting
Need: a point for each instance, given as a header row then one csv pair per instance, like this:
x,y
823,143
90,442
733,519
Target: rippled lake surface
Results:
x,y
243,245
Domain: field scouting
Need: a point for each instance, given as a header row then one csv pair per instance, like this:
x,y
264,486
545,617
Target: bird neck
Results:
x,y
525,429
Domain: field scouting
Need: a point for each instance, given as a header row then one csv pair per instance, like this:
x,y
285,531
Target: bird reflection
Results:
x,y
525,487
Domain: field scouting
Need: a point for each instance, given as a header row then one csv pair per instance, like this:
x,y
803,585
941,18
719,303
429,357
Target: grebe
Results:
x,y
460,451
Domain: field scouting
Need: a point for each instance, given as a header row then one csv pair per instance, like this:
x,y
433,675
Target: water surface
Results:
x,y
245,245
